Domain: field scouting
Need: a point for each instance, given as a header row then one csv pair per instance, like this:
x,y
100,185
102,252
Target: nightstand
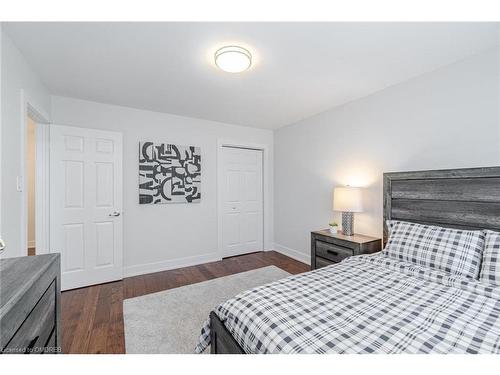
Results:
x,y
328,248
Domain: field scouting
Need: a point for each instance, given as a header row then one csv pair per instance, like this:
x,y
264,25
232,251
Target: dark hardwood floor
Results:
x,y
92,317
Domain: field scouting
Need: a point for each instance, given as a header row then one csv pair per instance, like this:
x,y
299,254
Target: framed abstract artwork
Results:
x,y
169,173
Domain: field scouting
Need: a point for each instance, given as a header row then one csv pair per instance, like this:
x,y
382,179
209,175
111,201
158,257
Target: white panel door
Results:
x,y
241,201
86,224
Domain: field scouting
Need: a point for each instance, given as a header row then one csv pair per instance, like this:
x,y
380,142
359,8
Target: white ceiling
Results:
x,y
300,68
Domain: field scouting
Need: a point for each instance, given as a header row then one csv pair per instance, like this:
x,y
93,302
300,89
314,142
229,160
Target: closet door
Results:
x,y
241,203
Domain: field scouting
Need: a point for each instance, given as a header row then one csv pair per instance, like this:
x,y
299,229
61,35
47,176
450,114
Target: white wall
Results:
x,y
158,237
1,126
498,81
17,77
444,119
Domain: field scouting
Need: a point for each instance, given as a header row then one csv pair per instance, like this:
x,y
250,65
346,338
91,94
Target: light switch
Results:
x,y
19,183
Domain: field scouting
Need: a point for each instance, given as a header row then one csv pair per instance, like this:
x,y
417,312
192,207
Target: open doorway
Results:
x,y
30,174
33,181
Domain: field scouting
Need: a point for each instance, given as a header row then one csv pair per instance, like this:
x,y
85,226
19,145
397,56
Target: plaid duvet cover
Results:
x,y
365,304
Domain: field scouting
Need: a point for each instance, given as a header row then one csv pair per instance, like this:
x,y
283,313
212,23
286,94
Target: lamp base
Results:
x,y
348,223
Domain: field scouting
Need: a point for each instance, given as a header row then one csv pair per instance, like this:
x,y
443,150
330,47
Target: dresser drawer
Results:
x,y
50,346
332,252
36,330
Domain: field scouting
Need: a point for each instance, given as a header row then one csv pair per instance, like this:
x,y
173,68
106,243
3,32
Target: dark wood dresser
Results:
x,y
328,248
30,312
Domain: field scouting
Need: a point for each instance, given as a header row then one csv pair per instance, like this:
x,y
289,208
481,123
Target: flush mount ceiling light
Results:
x,y
233,59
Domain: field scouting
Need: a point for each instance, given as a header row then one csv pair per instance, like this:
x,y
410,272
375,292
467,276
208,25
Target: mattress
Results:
x,y
365,304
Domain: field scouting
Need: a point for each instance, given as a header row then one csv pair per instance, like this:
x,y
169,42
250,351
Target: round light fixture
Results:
x,y
233,59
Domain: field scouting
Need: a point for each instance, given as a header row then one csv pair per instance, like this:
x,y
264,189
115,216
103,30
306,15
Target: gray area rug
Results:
x,y
171,321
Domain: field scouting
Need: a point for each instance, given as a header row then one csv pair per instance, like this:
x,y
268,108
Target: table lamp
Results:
x,y
348,200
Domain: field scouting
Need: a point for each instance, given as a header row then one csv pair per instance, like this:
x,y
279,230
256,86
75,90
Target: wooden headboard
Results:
x,y
456,198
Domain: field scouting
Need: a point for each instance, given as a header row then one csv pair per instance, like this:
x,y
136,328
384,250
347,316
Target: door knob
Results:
x,y
2,245
114,214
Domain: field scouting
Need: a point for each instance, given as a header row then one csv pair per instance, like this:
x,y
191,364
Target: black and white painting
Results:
x,y
169,173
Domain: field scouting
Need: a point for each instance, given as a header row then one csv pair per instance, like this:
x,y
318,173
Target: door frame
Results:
x,y
266,192
30,108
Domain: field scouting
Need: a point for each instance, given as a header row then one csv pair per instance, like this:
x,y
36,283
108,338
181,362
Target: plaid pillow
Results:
x,y
457,252
490,270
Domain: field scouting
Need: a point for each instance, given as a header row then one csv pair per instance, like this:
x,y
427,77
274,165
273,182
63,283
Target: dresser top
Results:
x,y
357,238
18,274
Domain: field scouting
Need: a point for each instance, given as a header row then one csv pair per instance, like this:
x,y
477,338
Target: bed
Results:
x,y
374,303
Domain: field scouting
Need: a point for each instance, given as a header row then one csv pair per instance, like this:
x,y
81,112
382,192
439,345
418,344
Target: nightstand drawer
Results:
x,y
322,262
334,253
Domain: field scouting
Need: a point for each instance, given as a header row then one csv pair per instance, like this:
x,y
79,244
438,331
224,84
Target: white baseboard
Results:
x,y
295,254
142,269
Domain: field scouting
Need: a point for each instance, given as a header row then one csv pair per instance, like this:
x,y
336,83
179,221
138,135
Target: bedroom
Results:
x,y
250,187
